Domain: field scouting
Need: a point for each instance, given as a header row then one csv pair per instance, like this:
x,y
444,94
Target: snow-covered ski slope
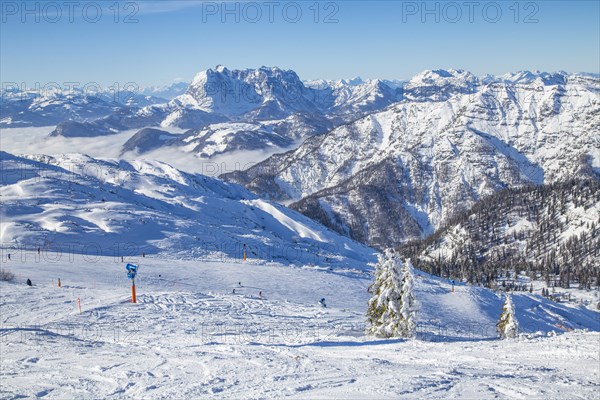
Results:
x,y
191,336
73,202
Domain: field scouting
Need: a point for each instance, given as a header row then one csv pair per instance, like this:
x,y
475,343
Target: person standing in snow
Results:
x,y
29,282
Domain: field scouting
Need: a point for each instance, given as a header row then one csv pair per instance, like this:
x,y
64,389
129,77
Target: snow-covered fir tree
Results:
x,y
508,326
408,311
392,309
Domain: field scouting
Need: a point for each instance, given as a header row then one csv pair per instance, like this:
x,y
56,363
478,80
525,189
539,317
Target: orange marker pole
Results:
x,y
133,299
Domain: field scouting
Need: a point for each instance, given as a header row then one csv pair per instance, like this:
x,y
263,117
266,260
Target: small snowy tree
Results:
x,y
508,326
391,311
408,311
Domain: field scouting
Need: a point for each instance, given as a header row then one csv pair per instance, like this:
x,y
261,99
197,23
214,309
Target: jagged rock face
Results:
x,y
237,92
446,154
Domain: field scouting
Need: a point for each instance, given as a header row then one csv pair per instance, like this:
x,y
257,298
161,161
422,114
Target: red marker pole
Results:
x,y
79,305
133,299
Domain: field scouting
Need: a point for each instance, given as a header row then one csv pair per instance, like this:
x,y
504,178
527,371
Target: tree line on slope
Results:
x,y
529,229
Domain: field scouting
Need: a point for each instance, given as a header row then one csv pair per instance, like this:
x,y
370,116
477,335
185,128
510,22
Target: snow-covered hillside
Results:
x,y
104,206
190,335
453,140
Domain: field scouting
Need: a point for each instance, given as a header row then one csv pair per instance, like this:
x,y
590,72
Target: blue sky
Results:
x,y
384,39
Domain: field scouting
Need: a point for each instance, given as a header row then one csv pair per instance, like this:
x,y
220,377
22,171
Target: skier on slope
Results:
x,y
322,302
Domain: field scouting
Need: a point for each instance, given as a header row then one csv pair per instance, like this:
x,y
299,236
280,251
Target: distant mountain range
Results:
x,y
223,111
383,162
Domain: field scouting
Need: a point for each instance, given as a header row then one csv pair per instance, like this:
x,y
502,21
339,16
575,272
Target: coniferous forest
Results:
x,y
549,232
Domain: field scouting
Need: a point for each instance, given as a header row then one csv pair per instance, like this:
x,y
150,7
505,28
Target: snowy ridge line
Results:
x,y
244,86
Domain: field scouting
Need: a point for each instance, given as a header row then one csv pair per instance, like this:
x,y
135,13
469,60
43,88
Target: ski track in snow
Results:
x,y
190,336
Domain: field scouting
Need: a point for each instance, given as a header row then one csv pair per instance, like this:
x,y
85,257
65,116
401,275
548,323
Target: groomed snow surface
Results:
x,y
191,336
